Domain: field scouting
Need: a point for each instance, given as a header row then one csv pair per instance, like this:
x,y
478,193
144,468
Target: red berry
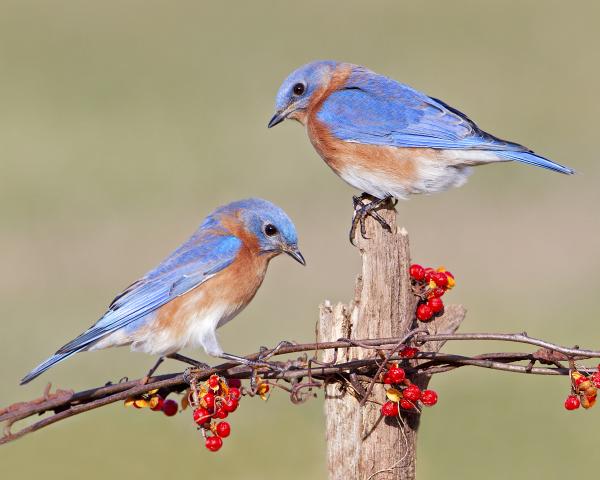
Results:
x,y
409,352
223,429
440,279
412,393
230,405
396,374
221,413
428,274
235,393
429,398
201,416
156,403
437,292
387,379
209,399
234,383
436,304
572,402
596,379
214,443
406,405
213,382
389,409
424,312
449,274
417,272
170,407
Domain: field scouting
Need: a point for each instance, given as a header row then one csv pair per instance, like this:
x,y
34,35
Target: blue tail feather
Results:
x,y
45,365
533,159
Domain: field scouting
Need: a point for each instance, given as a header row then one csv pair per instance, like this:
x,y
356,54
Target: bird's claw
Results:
x,y
189,375
266,353
363,210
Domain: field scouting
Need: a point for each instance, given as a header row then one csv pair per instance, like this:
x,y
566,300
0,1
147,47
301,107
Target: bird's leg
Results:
x,y
189,361
364,210
144,380
252,363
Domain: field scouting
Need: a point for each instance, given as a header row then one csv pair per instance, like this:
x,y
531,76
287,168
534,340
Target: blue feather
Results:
x,y
202,256
533,159
375,110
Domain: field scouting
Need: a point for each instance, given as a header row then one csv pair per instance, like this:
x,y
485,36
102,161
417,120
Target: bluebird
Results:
x,y
198,288
387,139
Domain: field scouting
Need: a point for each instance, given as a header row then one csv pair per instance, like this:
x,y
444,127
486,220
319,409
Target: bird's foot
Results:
x,y
266,353
190,375
363,210
254,363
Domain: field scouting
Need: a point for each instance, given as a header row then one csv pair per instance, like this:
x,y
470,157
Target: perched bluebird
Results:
x,y
387,139
202,285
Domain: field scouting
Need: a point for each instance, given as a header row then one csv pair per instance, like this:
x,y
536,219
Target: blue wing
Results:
x,y
376,110
190,265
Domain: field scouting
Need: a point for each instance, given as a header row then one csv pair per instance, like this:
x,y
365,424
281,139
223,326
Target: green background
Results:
x,y
123,123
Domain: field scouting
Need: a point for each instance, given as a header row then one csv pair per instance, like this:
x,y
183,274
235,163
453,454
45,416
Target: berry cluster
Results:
x,y
430,285
402,393
214,400
155,402
584,390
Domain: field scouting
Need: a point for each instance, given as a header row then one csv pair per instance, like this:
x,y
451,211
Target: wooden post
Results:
x,y
360,443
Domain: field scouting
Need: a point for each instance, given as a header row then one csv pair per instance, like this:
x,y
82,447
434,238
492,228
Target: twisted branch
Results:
x,y
65,403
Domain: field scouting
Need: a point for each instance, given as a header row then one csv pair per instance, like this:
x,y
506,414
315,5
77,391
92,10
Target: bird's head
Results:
x,y
297,89
273,231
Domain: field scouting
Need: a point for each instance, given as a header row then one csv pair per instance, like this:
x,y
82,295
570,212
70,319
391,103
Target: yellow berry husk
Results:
x,y
576,375
140,403
153,402
451,283
432,284
583,386
203,390
262,389
393,395
129,402
441,269
586,402
591,392
225,388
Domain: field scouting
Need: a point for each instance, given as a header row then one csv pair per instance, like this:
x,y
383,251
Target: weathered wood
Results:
x,y
361,444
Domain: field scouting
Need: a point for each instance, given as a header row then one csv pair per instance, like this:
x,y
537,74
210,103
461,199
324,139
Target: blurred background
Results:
x,y
122,124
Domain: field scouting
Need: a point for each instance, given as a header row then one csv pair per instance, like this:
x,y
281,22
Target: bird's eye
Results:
x,y
270,230
298,89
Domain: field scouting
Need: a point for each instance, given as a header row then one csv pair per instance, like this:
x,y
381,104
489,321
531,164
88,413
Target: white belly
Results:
x,y
197,328
447,169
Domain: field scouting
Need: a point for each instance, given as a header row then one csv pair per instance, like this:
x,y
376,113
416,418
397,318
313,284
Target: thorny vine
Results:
x,y
301,376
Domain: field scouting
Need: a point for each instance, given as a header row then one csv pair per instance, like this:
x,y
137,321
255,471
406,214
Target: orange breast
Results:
x,y
234,286
399,165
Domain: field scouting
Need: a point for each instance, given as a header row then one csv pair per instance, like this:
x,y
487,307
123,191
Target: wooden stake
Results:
x,y
361,444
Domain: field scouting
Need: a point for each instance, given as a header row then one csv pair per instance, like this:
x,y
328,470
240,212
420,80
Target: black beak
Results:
x,y
296,255
277,119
